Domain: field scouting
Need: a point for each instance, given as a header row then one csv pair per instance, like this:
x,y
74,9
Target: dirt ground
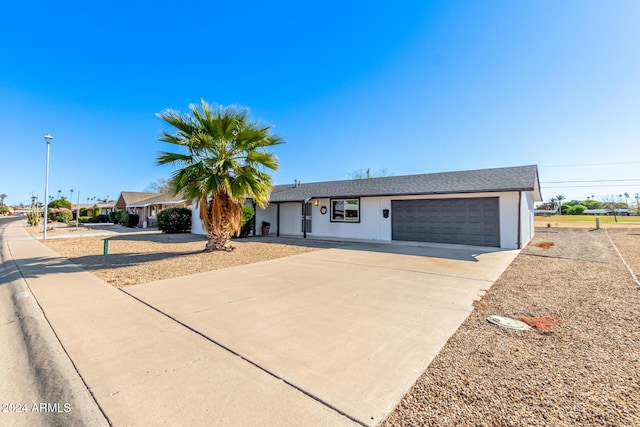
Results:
x,y
554,222
584,371
145,257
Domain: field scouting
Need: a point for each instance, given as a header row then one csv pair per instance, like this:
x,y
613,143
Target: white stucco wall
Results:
x,y
526,216
196,223
270,215
373,226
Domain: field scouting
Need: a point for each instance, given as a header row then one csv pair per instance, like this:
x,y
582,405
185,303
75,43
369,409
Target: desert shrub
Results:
x,y
577,210
95,215
174,220
60,215
83,211
120,216
60,203
130,220
247,220
85,219
33,218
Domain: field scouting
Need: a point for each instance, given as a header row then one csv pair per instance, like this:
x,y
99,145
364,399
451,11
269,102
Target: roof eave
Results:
x,y
430,193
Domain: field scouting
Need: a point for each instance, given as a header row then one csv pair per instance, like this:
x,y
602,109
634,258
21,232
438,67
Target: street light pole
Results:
x,y
47,139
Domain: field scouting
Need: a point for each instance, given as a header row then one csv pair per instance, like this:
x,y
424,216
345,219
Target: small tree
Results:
x,y
612,204
576,210
559,199
60,203
366,173
161,185
120,216
95,215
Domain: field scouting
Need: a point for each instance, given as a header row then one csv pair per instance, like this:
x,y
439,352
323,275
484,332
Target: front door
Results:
x,y
306,218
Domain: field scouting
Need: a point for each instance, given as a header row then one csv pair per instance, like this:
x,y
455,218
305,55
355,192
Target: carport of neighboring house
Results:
x,y
487,207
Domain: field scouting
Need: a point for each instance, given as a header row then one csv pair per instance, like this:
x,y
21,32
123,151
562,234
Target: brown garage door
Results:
x,y
473,221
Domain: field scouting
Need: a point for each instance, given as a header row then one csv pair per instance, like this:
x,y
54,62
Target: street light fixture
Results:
x,y
47,139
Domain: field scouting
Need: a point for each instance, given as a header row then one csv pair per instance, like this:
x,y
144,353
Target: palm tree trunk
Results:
x,y
220,211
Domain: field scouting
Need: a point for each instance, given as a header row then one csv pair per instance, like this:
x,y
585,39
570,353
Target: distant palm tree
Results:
x,y
560,198
626,199
224,164
71,195
59,193
2,197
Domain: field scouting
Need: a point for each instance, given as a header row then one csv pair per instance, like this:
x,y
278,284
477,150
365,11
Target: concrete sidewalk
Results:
x,y
144,368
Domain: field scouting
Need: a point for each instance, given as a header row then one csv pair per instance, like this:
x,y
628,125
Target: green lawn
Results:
x,y
587,218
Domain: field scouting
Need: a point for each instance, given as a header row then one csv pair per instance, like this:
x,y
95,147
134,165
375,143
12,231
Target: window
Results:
x,y
345,210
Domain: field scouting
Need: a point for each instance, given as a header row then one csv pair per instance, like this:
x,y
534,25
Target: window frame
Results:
x,y
344,199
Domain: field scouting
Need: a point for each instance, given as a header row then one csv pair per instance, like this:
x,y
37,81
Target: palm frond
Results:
x,y
222,163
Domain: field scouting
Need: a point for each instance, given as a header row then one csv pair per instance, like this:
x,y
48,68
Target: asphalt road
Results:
x,y
39,385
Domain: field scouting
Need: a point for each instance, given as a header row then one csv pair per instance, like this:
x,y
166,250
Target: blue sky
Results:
x,y
415,88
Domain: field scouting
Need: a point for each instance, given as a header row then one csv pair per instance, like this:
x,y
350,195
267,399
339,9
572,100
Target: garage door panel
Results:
x,y
472,221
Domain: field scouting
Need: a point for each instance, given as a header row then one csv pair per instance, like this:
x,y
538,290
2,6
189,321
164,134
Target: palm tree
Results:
x,y
626,199
2,197
560,198
553,201
224,162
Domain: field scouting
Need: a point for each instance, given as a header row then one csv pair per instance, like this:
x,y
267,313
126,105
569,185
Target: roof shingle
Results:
x,y
519,178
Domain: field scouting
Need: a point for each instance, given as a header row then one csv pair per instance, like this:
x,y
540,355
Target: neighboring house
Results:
x,y
489,207
596,212
544,212
147,205
105,208
619,212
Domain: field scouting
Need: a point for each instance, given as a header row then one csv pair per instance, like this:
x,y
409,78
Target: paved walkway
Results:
x,y
333,337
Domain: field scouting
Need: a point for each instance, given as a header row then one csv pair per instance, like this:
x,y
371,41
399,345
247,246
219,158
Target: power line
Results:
x,y
589,180
590,164
586,186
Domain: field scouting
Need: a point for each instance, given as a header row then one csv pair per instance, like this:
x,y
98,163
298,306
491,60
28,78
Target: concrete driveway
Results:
x,y
352,327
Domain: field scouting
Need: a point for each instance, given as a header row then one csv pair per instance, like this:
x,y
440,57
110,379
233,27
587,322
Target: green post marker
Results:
x,y
105,251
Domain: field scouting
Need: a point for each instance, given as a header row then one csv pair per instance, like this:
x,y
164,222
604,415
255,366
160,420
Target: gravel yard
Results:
x,y
144,257
585,371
